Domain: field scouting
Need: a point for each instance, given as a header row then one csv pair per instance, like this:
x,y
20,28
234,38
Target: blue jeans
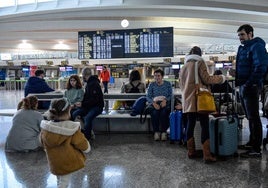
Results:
x,y
105,85
160,117
88,116
250,101
204,122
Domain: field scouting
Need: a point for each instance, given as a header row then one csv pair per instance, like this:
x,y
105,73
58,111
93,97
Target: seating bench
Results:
x,y
7,112
108,117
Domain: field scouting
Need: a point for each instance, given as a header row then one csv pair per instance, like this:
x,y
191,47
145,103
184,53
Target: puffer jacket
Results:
x,y
187,81
93,94
251,63
65,146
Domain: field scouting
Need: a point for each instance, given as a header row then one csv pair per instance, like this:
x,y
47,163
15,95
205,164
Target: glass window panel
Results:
x,y
7,3
22,2
39,1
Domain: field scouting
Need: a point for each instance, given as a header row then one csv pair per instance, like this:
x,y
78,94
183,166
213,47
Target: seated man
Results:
x,y
37,84
92,104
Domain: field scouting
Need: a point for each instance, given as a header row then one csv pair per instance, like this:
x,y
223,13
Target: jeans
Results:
x,y
88,117
250,101
160,117
204,122
105,85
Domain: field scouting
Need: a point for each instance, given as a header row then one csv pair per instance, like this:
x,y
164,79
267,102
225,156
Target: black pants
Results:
x,y
204,122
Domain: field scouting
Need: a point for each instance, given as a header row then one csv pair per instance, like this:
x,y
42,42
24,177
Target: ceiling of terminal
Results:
x,y
211,24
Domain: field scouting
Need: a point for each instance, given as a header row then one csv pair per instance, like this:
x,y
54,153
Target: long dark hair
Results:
x,y
134,75
78,82
196,50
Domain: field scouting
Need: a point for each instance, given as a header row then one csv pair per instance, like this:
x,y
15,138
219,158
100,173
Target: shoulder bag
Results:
x,y
205,100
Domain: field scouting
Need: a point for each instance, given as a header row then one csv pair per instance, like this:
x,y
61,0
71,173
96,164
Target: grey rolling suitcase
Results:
x,y
223,132
223,135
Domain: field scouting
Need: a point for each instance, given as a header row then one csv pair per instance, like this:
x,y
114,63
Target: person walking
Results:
x,y
251,66
105,78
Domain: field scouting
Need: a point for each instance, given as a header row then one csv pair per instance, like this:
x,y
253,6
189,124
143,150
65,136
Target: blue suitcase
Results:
x,y
223,135
175,120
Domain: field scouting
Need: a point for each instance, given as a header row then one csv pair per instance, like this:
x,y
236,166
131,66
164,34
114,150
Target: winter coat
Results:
x,y
187,81
251,62
64,144
93,94
24,133
36,85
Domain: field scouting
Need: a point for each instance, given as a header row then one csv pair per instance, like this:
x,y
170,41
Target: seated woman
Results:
x,y
133,86
74,92
24,133
159,94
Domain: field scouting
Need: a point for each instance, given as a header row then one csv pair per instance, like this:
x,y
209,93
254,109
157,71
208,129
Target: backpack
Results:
x,y
134,89
140,108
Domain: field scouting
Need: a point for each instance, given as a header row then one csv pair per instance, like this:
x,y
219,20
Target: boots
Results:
x,y
206,152
191,148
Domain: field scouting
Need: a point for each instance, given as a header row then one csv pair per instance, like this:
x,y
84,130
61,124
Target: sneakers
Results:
x,y
246,146
251,154
160,136
93,137
164,136
156,136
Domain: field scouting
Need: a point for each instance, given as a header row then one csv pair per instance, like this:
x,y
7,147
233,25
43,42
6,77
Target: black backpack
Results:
x,y
134,89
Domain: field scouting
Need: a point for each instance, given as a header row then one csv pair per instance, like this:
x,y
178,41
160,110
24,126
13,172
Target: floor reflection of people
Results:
x,y
34,165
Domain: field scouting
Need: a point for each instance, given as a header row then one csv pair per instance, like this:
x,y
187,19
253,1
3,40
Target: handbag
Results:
x,y
205,100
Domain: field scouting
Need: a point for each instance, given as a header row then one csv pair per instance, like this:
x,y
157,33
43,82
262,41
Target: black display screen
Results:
x,y
131,43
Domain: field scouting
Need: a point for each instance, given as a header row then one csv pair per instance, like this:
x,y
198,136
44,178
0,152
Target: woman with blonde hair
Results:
x,y
24,133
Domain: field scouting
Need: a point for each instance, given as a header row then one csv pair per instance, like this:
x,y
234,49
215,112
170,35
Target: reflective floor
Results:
x,y
129,161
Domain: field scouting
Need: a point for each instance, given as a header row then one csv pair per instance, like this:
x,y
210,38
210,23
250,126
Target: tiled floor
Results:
x,y
129,160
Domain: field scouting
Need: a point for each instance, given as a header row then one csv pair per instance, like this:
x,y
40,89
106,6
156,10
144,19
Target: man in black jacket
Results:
x,y
92,104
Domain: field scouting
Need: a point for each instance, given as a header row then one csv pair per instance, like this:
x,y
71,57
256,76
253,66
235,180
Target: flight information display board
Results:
x,y
131,43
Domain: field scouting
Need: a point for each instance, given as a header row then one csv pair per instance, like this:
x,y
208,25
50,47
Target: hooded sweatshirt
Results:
x,y
65,146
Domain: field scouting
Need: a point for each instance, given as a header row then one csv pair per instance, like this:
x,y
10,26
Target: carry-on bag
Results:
x,y
223,131
175,120
223,135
